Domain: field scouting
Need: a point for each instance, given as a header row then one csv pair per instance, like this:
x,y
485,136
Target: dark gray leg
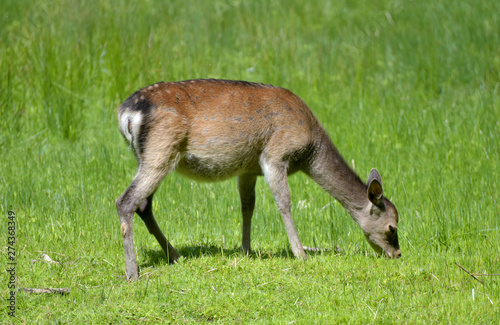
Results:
x,y
126,205
246,187
146,213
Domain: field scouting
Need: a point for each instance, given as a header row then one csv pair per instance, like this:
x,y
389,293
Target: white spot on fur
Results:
x,y
130,125
124,229
265,170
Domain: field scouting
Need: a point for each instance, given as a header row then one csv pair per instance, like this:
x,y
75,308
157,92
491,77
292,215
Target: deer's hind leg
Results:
x,y
145,211
153,167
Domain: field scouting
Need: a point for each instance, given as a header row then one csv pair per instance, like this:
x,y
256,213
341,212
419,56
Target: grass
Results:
x,y
408,87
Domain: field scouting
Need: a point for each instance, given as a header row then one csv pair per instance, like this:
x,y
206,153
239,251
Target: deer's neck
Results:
x,y
332,173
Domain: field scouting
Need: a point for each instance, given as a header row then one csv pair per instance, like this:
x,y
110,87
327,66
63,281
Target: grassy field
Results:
x,y
411,88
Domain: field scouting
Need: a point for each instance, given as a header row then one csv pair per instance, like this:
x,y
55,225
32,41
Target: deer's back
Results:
x,y
220,128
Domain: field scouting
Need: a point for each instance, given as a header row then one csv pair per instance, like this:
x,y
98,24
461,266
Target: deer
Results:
x,y
211,130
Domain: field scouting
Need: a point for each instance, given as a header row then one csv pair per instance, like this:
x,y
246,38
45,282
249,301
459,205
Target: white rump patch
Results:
x,y
130,125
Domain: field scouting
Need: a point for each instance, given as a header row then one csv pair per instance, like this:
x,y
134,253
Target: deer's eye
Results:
x,y
392,229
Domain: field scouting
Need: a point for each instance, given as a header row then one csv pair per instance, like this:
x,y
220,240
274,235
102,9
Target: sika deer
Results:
x,y
211,130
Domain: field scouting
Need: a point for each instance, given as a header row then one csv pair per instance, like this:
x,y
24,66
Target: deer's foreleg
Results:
x,y
246,187
275,173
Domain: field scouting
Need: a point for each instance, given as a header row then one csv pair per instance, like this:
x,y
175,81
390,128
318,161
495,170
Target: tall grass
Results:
x,y
408,87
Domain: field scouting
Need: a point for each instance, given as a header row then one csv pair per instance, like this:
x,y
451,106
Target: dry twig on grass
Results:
x,y
460,266
62,291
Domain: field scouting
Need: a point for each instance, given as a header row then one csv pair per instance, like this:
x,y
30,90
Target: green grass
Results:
x,y
409,87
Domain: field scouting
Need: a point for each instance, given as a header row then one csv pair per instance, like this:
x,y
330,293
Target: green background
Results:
x,y
408,87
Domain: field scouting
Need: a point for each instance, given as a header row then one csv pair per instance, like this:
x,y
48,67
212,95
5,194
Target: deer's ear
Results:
x,y
375,192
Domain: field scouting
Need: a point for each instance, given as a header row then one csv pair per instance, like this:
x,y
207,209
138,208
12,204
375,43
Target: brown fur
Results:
x,y
211,130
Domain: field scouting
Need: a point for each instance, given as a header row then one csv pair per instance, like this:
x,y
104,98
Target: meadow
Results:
x,y
408,87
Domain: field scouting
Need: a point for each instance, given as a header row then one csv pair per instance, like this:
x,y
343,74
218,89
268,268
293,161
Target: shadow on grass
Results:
x,y
157,256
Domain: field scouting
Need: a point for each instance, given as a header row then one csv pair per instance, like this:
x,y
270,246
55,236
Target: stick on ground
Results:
x,y
62,291
460,266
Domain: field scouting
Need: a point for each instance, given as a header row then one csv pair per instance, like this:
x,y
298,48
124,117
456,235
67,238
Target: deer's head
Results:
x,y
380,219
